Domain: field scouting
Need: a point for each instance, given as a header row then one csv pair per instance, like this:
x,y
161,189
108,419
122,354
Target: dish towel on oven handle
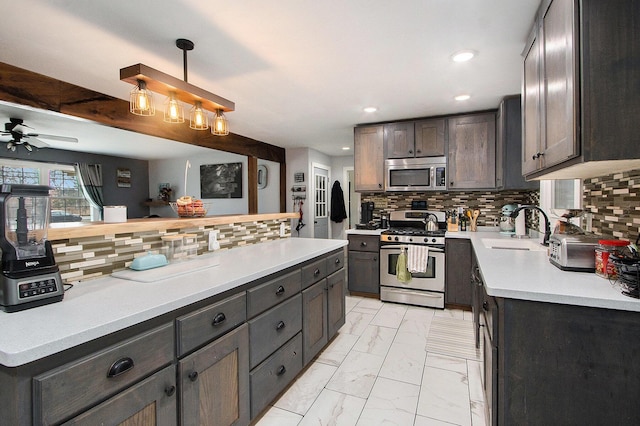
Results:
x,y
417,258
402,274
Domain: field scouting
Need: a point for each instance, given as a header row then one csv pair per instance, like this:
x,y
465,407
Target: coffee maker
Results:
x,y
366,212
30,276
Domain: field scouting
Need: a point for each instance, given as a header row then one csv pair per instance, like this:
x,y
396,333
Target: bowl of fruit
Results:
x,y
188,206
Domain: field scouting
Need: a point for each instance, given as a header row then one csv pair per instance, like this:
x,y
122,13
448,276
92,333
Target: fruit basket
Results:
x,y
189,207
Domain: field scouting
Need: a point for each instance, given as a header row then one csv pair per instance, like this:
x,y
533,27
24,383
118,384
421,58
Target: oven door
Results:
x,y
432,279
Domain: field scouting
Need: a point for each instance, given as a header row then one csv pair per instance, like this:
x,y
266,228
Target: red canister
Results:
x,y
606,248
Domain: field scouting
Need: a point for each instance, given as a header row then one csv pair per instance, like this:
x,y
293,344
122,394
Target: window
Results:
x,y
560,194
68,203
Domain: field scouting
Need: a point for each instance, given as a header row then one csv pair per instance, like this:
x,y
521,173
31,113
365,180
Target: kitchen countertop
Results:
x,y
528,275
96,308
364,231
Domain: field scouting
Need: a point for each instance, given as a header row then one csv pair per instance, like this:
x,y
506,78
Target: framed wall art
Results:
x,y
221,180
123,178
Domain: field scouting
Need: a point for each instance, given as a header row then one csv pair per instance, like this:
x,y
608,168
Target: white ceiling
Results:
x,y
300,72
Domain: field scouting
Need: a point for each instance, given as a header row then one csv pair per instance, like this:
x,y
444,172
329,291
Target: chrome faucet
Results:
x,y
547,227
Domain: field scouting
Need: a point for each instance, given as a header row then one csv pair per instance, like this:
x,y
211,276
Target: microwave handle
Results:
x,y
433,177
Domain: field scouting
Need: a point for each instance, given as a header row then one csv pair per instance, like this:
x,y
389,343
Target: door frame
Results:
x,y
312,207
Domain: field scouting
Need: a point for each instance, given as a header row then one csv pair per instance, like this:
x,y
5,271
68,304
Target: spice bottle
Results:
x,y
605,248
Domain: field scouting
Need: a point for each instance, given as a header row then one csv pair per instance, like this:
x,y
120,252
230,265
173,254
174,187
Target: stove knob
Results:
x,y
410,239
426,240
433,240
396,238
389,238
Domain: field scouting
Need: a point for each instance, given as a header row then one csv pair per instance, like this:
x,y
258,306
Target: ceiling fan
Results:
x,y
19,135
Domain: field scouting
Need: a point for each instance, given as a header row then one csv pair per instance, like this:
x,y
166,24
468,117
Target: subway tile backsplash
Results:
x,y
614,201
488,202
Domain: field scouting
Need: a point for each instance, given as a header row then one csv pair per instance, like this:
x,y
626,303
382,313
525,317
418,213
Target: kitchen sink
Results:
x,y
513,244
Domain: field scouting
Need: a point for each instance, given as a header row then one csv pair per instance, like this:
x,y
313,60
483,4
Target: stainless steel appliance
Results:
x,y
415,174
30,276
573,252
409,228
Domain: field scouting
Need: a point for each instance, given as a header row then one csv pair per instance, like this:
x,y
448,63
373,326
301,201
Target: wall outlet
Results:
x,y
282,229
213,241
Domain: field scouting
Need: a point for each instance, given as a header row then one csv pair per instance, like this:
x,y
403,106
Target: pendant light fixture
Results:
x,y
173,110
141,100
198,118
147,80
220,125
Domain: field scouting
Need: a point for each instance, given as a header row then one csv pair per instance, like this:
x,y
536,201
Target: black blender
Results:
x,y
30,276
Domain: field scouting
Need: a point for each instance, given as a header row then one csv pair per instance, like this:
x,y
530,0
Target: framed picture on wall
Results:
x,y
123,178
221,180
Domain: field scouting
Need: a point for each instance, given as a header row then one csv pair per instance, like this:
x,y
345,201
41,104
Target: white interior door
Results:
x,y
320,202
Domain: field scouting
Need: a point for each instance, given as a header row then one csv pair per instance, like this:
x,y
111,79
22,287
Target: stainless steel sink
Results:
x,y
513,244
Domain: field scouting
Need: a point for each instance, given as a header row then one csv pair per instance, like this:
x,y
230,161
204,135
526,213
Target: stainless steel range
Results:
x,y
408,227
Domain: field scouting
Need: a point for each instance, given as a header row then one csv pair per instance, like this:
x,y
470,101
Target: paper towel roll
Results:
x,y
521,224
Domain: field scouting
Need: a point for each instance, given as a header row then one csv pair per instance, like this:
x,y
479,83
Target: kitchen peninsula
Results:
x,y
250,317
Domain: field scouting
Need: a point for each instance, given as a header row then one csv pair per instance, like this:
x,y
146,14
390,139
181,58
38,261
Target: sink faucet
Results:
x,y
547,227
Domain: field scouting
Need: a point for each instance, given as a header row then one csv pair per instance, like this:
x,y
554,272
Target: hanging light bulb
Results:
x,y
11,146
220,126
141,100
28,146
198,119
173,111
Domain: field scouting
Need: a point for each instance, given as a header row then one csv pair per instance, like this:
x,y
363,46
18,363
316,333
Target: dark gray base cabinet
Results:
x,y
458,272
563,364
364,264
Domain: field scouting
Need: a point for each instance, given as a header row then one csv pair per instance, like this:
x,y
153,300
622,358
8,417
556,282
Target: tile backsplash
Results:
x,y
614,201
93,257
488,202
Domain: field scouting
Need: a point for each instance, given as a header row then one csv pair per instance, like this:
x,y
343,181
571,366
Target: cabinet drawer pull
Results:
x,y
363,243
170,390
375,258
193,376
280,325
280,290
119,367
337,261
281,370
316,272
218,319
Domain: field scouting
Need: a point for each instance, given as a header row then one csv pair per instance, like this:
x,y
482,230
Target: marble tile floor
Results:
x,y
389,364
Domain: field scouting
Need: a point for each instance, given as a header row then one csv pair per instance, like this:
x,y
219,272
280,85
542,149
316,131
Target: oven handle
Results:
x,y
399,246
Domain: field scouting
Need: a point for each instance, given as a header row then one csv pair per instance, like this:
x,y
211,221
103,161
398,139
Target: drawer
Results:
x,y
364,242
73,387
267,332
314,272
273,375
269,294
335,262
206,324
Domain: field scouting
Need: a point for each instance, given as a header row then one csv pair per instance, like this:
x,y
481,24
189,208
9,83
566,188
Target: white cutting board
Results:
x,y
165,272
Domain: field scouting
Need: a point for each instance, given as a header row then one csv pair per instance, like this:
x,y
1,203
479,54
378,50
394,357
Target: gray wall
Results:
x,y
130,197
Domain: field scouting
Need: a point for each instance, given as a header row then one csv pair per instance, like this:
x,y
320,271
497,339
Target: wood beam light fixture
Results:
x,y
147,80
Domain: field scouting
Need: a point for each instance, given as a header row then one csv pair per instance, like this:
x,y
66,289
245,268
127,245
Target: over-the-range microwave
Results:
x,y
415,174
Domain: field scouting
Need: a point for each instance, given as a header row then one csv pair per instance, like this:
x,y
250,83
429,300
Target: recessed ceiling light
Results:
x,y
346,148
463,56
462,97
370,109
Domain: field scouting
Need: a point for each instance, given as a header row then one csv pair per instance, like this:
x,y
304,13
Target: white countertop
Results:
x,y
99,307
528,275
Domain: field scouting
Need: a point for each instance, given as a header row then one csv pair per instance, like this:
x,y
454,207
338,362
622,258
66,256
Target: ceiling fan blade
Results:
x,y
52,137
36,142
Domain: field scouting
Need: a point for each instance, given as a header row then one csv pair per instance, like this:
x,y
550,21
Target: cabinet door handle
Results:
x,y
410,151
280,290
485,305
193,376
280,325
119,367
375,259
537,155
379,185
363,244
316,272
218,319
418,151
451,183
281,370
170,390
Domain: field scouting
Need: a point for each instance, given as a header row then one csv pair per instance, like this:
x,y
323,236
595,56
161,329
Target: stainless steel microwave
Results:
x,y
415,174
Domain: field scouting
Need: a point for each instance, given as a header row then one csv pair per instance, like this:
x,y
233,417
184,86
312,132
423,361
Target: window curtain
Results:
x,y
90,178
